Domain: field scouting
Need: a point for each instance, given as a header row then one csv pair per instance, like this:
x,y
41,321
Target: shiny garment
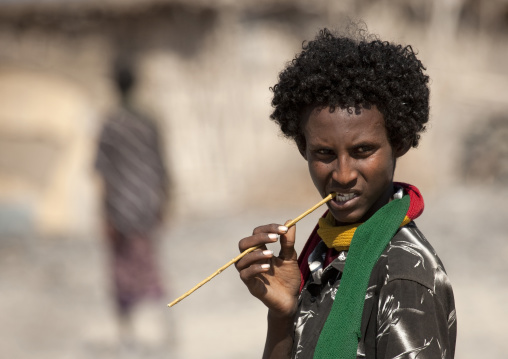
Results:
x,y
409,308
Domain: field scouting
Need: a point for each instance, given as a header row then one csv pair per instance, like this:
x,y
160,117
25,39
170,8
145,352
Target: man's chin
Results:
x,y
343,219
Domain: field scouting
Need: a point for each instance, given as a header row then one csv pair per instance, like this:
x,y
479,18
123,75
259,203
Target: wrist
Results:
x,y
279,339
281,317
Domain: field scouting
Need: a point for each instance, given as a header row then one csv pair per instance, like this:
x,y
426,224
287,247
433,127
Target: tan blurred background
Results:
x,y
204,69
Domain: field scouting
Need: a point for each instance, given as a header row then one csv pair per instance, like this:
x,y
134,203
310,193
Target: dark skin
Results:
x,y
348,152
276,285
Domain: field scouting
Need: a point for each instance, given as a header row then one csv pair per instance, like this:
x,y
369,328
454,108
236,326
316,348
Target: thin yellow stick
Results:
x,y
289,224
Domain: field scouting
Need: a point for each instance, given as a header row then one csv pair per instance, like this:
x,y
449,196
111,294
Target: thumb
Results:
x,y
287,244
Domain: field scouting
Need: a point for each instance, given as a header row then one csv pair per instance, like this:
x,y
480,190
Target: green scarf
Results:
x,y
341,332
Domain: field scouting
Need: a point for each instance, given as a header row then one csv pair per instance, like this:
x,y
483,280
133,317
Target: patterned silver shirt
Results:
x,y
409,309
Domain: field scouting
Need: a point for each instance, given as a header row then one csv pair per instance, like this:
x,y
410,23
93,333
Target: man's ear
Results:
x,y
401,149
301,149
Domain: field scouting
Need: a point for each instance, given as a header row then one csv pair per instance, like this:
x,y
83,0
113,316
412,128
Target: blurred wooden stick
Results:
x,y
289,224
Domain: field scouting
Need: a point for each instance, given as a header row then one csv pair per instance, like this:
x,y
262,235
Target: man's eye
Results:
x,y
324,152
363,150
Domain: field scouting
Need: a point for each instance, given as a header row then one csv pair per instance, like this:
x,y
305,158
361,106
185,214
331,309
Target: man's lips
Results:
x,y
343,198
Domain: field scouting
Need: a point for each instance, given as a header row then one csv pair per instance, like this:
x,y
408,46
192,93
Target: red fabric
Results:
x,y
417,204
135,272
415,210
303,258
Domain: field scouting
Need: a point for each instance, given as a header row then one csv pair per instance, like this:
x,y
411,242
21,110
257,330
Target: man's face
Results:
x,y
349,153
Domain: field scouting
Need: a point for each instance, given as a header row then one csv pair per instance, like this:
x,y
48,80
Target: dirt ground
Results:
x,y
55,303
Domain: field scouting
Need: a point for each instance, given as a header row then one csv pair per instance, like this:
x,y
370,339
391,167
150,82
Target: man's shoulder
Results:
x,y
409,256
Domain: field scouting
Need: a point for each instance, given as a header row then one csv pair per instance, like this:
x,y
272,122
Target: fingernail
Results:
x,y
267,252
265,266
273,236
283,229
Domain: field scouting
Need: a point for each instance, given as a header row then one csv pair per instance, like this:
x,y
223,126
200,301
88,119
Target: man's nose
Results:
x,y
344,173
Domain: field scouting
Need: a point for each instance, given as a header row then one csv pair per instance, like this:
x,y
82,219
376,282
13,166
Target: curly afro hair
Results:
x,y
354,71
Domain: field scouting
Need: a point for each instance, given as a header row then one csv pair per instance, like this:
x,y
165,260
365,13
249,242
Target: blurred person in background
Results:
x,y
135,192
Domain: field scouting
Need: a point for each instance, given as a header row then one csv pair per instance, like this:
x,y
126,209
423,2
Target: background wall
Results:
x,y
205,69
